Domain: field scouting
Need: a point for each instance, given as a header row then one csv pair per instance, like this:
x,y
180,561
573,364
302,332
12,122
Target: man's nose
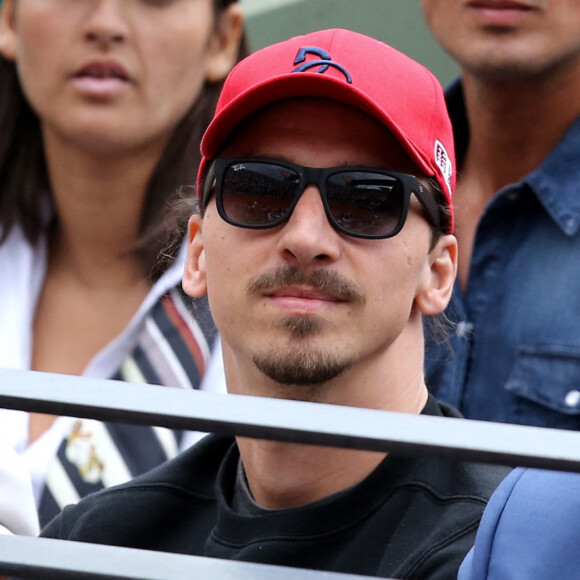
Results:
x,y
308,236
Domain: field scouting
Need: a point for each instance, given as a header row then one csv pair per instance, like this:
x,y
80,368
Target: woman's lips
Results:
x,y
101,79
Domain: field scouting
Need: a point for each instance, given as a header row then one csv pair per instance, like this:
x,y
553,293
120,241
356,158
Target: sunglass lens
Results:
x,y
258,194
365,203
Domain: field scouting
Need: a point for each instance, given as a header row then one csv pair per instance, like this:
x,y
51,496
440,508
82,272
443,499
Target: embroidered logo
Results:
x,y
444,163
82,452
324,61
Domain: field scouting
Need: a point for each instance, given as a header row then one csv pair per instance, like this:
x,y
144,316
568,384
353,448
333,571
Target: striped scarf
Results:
x,y
172,349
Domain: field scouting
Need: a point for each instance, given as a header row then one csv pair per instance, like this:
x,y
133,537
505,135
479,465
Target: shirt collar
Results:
x,y
555,181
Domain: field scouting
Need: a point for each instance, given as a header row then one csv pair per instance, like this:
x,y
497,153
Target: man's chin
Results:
x,y
301,367
300,327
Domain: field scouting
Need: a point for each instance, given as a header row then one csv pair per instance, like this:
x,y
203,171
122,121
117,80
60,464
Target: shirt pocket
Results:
x,y
546,382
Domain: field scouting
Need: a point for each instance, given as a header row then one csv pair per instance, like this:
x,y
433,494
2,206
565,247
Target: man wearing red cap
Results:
x,y
325,235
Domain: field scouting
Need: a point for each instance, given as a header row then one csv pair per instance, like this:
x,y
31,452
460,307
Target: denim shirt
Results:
x,y
514,352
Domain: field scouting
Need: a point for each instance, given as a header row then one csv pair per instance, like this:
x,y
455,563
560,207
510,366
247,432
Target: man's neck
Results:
x,y
513,126
283,475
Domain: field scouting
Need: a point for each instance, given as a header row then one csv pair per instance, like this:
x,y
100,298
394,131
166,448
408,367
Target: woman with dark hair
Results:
x,y
102,107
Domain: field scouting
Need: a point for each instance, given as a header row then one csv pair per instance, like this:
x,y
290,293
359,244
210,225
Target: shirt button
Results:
x,y
572,399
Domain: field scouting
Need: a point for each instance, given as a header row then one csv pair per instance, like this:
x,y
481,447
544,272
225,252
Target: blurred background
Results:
x,y
400,23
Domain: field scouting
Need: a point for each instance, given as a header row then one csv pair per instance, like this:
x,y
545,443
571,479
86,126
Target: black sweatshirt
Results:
x,y
410,518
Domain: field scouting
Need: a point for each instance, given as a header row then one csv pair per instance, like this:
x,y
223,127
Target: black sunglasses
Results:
x,y
362,202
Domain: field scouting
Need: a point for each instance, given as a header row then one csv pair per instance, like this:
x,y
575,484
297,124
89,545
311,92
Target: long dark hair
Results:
x,y
25,188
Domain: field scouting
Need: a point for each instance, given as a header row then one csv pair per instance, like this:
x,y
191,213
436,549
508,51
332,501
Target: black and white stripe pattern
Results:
x,y
173,349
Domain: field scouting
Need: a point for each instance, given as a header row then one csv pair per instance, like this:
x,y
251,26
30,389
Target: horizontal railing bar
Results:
x,y
42,558
303,422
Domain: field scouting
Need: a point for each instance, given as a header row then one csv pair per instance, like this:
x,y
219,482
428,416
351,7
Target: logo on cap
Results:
x,y
444,163
324,61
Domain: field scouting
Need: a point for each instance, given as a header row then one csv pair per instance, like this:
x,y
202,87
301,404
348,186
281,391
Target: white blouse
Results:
x,y
23,269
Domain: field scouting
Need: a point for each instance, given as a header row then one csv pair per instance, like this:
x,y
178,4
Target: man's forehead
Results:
x,y
317,123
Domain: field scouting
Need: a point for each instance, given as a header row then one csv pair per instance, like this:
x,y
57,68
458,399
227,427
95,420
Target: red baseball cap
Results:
x,y
353,69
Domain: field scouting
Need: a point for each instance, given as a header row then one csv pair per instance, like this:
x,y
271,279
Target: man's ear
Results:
x,y
194,275
7,30
224,43
436,287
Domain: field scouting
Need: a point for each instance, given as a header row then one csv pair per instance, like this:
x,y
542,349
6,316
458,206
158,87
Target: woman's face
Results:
x,y
113,75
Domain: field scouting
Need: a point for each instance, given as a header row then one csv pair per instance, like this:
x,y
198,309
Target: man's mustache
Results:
x,y
327,281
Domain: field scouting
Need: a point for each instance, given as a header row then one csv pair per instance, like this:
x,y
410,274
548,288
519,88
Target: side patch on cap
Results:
x,y
444,163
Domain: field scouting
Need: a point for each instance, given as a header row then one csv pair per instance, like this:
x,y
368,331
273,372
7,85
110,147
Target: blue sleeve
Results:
x,y
530,529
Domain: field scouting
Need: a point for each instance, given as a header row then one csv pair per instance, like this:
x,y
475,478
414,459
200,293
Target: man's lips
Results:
x,y
501,5
301,293
501,13
302,300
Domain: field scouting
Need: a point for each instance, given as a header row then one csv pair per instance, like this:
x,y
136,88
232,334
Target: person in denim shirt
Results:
x,y
514,353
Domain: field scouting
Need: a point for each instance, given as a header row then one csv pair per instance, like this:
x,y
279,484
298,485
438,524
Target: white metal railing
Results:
x,y
313,423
